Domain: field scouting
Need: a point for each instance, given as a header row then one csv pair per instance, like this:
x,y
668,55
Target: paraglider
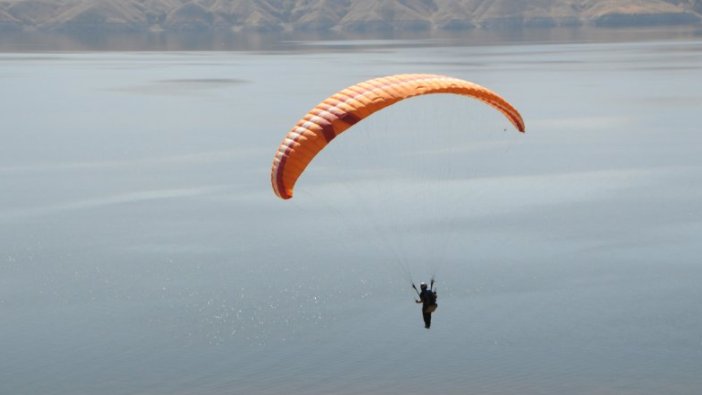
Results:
x,y
347,107
427,297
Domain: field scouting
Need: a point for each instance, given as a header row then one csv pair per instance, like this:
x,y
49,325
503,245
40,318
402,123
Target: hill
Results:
x,y
338,15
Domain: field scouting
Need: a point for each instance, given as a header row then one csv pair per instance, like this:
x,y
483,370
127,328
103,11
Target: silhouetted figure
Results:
x,y
427,297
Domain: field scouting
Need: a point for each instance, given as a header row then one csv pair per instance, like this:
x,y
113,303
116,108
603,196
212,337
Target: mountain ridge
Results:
x,y
337,15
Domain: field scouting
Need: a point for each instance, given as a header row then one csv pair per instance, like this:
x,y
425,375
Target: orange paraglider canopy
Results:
x,y
345,108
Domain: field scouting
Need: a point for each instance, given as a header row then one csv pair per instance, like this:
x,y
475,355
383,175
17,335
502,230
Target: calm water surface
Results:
x,y
143,252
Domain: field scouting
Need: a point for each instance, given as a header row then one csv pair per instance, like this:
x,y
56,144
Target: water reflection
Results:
x,y
324,41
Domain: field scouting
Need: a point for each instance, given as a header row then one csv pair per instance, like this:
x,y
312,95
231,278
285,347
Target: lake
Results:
x,y
142,250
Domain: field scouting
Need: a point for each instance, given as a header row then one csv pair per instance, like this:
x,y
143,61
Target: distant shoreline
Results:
x,y
320,42
344,16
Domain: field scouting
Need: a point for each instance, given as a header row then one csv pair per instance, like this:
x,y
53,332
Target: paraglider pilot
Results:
x,y
427,297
